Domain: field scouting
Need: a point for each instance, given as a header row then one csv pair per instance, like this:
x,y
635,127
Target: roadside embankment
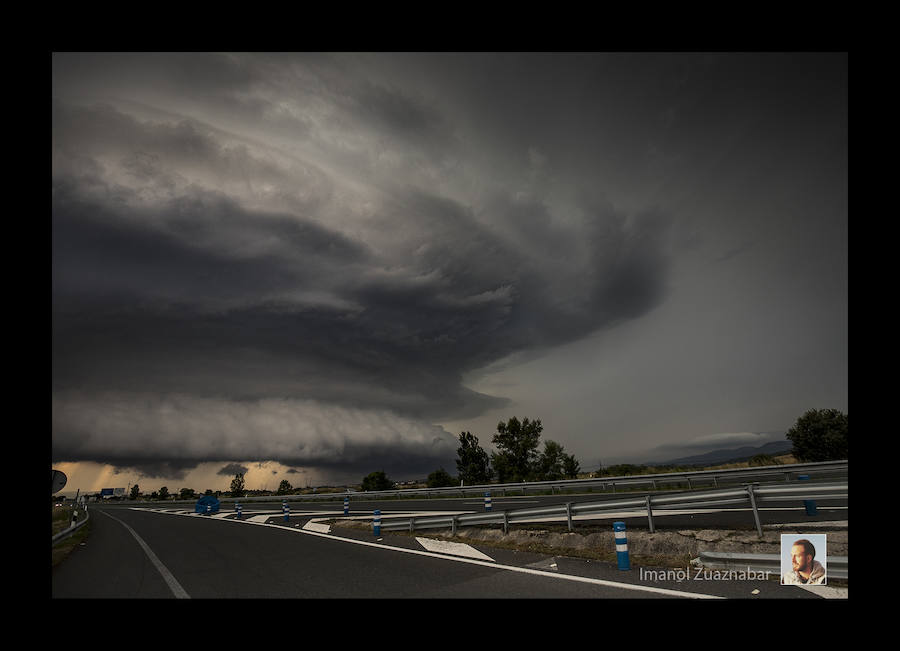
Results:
x,y
668,547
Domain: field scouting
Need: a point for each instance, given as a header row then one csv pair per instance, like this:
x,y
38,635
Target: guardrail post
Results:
x,y
809,504
569,514
755,510
487,501
376,523
505,523
346,506
621,546
453,525
650,514
412,524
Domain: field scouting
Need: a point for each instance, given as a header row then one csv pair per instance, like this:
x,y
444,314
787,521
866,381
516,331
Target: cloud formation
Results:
x,y
637,248
220,297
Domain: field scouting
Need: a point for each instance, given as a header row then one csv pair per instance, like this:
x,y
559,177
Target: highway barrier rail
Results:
x,y
751,495
837,567
72,528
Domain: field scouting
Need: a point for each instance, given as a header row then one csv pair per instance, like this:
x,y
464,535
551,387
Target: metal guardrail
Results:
x,y
654,481
752,495
837,567
65,533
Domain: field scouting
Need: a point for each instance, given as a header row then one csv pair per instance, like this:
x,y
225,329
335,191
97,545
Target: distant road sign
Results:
x,y
58,479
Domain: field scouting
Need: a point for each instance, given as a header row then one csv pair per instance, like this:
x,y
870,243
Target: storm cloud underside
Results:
x,y
302,289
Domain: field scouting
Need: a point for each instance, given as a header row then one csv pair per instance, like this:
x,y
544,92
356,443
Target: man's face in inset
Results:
x,y
800,560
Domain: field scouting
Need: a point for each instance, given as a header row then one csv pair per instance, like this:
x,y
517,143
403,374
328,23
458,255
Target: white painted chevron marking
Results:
x,y
315,526
452,548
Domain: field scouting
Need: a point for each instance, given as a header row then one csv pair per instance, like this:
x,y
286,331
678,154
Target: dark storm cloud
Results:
x,y
231,469
215,297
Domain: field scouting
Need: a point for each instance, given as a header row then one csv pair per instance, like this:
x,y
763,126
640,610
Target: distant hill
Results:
x,y
730,455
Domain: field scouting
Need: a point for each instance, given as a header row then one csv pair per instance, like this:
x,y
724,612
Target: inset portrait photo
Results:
x,y
803,559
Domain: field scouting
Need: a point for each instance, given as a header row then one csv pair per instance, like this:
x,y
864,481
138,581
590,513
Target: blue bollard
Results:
x,y
376,523
809,504
487,501
286,510
346,506
238,507
621,546
208,509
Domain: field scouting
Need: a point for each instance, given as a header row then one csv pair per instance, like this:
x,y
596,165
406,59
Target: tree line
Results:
x,y
518,458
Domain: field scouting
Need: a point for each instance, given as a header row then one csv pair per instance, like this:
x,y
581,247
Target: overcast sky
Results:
x,y
320,265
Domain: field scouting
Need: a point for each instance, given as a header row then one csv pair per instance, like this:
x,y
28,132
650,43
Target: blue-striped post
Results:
x,y
238,508
346,506
376,523
809,504
621,546
208,509
286,510
487,501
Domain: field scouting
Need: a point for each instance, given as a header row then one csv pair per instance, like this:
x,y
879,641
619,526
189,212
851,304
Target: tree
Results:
x,y
517,443
472,463
440,478
819,435
164,493
550,463
571,467
554,463
503,465
376,481
186,493
284,487
135,491
237,485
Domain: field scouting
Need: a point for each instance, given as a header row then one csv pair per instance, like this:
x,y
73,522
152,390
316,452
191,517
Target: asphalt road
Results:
x,y
142,553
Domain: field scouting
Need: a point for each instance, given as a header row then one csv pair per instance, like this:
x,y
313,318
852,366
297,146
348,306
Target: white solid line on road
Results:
x,y
510,568
473,561
453,548
171,581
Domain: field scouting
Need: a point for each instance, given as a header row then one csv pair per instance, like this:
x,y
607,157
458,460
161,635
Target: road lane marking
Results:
x,y
510,568
474,561
452,548
171,581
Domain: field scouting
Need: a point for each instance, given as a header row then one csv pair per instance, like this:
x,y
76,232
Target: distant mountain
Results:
x,y
730,455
